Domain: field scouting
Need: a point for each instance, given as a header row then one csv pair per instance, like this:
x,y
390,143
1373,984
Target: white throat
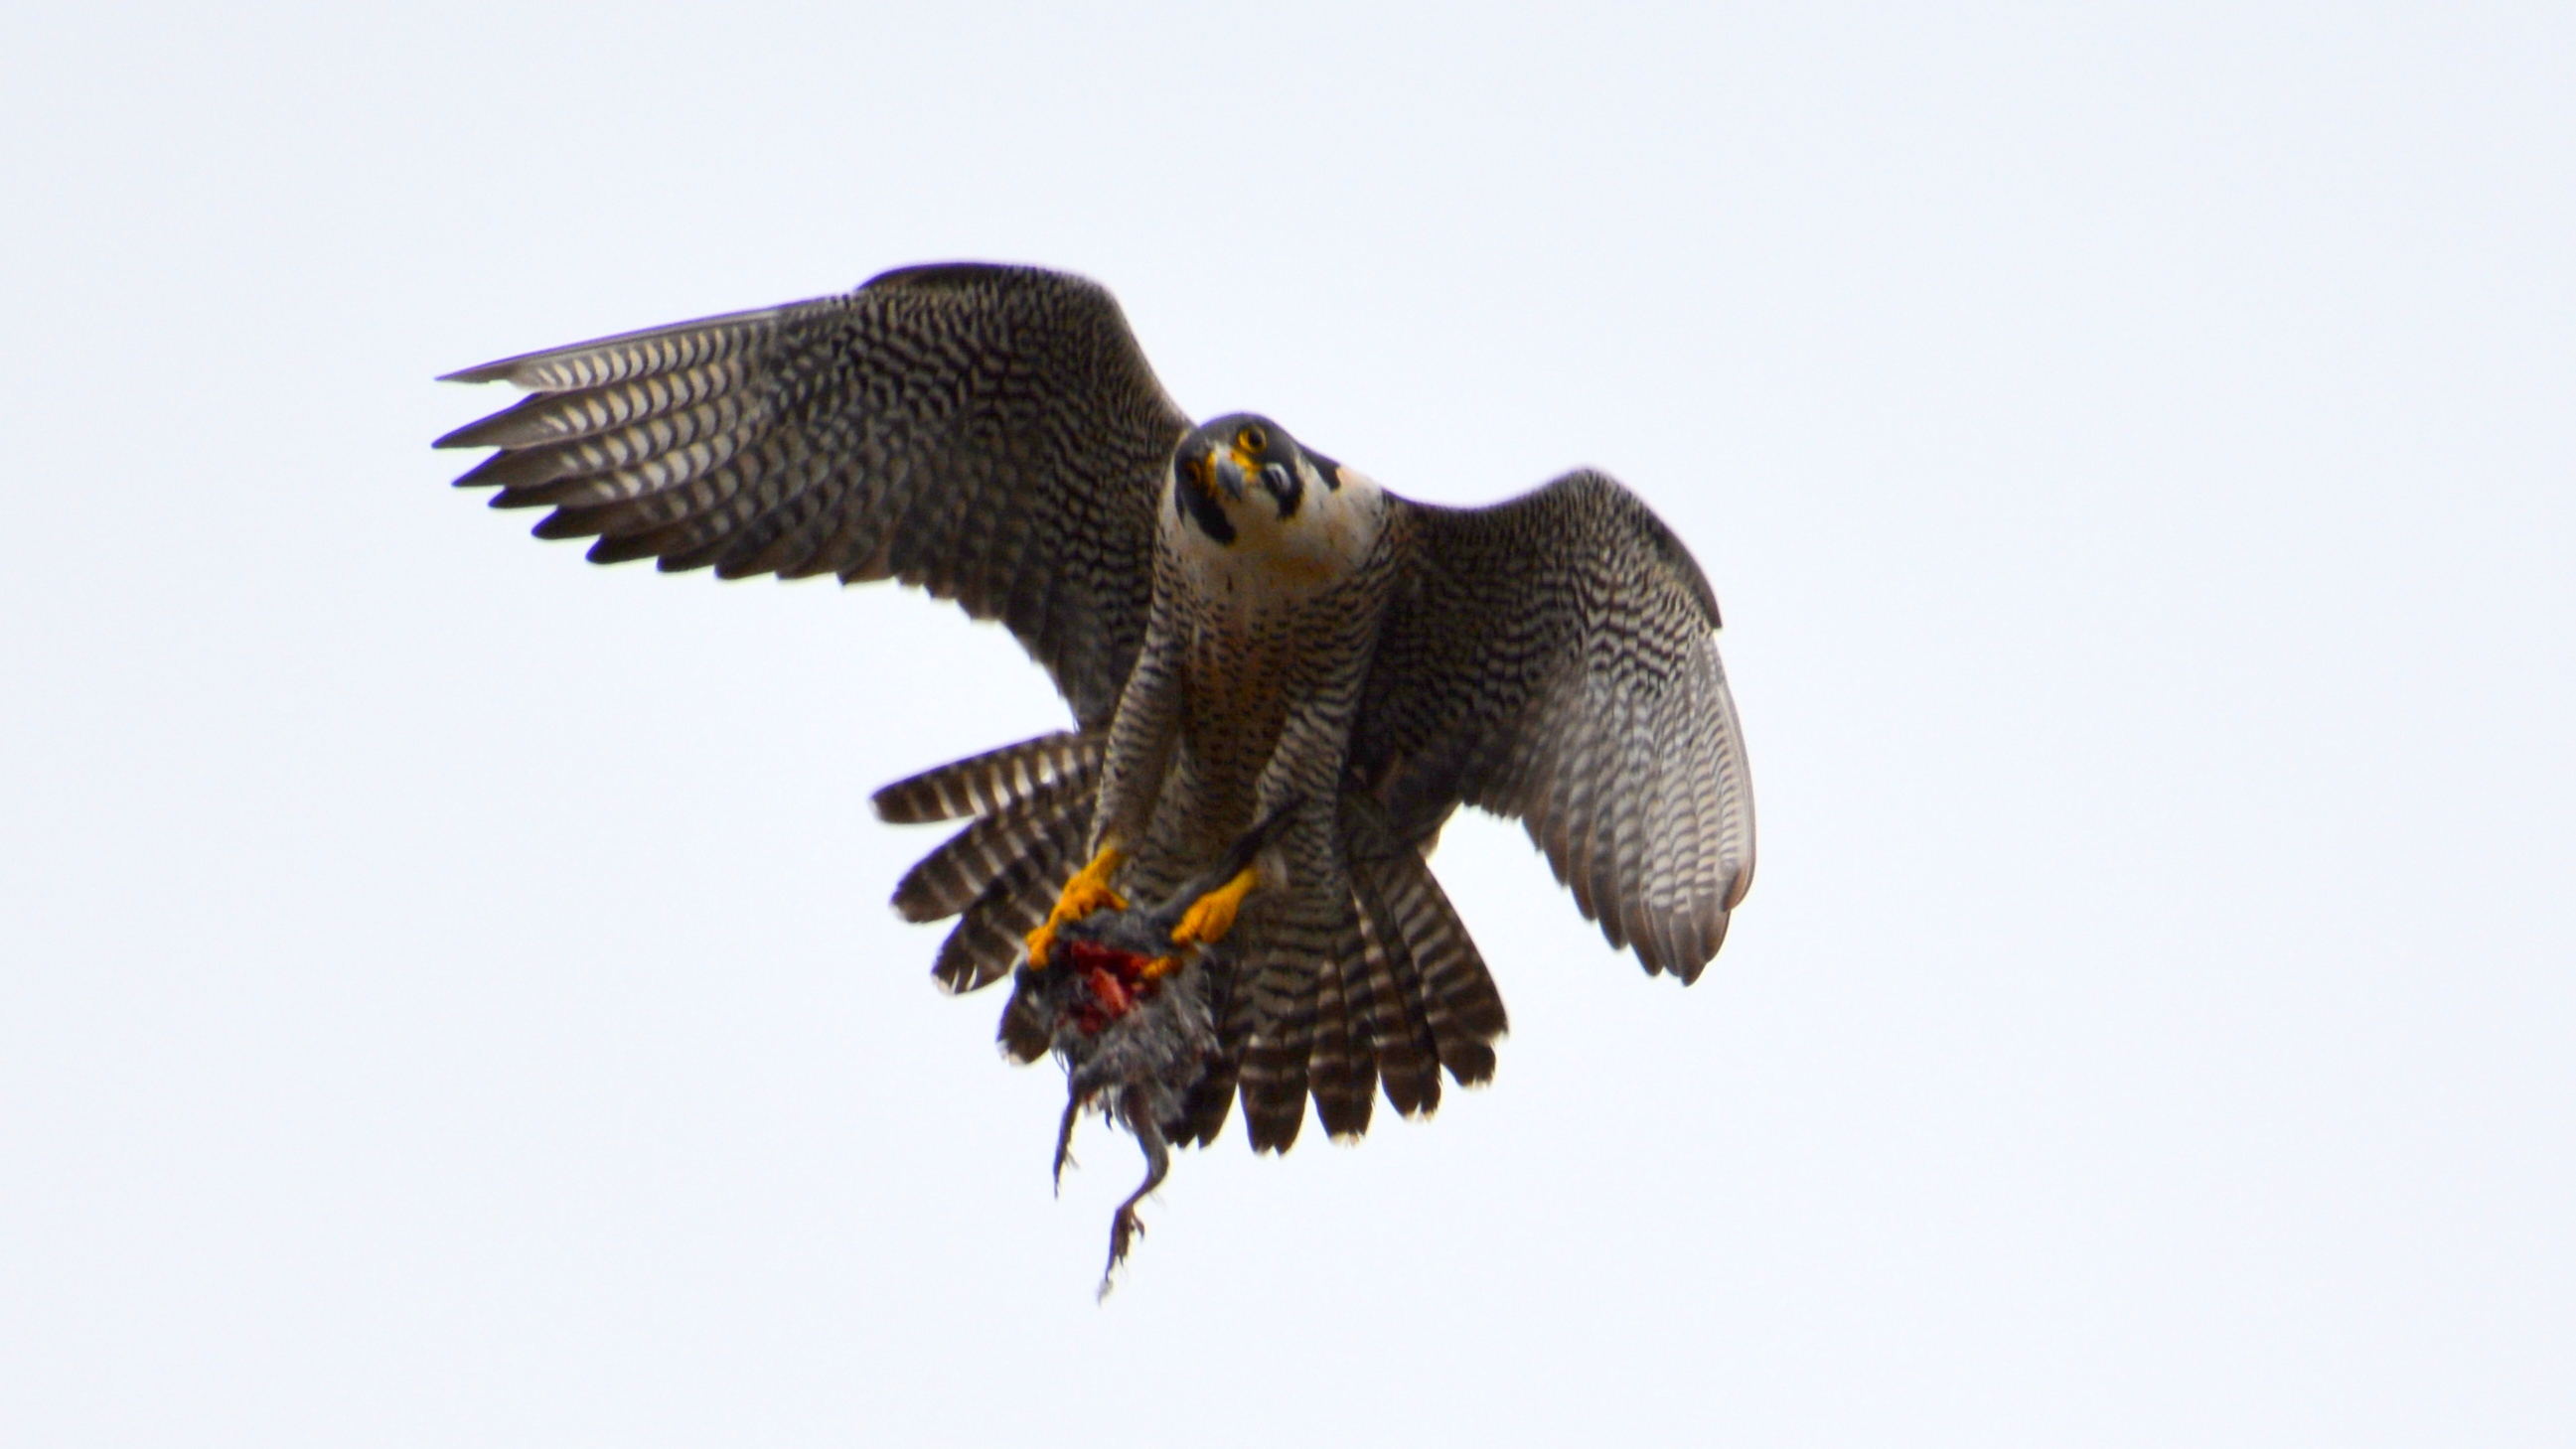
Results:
x,y
1275,560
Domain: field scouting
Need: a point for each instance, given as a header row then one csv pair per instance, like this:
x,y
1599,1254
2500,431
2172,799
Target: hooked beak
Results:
x,y
1234,471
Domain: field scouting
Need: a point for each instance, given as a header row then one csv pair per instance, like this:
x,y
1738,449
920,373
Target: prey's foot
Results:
x,y
1088,891
1126,1227
1212,915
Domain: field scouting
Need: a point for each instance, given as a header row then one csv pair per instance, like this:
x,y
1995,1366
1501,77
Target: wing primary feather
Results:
x,y
1668,838
638,354
555,417
1736,835
1575,797
962,428
1632,800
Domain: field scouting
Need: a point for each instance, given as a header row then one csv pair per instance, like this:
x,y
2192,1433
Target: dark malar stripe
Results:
x,y
1191,503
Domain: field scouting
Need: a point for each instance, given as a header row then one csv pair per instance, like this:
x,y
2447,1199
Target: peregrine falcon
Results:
x,y
1268,658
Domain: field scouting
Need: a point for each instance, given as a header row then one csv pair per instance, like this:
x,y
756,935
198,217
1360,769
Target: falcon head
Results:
x,y
1243,486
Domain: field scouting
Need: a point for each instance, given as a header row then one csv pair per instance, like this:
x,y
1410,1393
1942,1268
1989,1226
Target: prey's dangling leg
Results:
x,y
1064,1137
1088,891
1125,1228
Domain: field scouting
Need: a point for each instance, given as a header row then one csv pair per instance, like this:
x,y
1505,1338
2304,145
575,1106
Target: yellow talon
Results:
x,y
1159,967
1212,915
1088,891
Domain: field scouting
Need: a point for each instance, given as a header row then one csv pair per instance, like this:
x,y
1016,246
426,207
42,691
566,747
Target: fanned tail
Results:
x,y
1386,990
1399,1032
1429,997
1380,988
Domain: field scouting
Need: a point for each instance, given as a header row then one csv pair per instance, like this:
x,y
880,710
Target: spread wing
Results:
x,y
1554,659
991,434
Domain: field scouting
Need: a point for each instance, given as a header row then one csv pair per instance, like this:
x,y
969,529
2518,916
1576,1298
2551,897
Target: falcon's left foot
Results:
x,y
1212,915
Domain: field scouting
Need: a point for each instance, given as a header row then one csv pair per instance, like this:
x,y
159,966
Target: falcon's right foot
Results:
x,y
1088,891
1212,915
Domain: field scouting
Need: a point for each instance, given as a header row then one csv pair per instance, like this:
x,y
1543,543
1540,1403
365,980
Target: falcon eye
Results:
x,y
1252,440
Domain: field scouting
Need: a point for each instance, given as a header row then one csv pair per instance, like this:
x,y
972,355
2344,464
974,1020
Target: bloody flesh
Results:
x,y
1117,980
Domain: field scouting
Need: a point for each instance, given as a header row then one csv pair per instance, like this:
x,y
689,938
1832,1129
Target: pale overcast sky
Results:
x,y
447,995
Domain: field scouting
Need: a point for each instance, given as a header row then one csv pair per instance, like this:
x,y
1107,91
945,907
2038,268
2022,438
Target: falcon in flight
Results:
x,y
1270,660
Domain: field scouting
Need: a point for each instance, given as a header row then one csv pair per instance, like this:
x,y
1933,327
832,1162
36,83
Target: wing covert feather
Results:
x,y
1554,659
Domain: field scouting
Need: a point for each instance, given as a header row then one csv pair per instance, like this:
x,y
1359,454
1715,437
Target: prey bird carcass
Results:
x,y
1133,1017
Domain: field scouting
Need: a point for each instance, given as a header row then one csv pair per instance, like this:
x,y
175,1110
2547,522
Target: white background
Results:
x,y
445,990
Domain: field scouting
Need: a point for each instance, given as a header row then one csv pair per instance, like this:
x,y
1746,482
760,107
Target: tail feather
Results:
x,y
1459,1002
1284,982
1032,805
950,878
1024,1035
1274,1092
1341,1071
1390,999
990,783
1387,989
1375,985
988,942
1212,1100
1408,1056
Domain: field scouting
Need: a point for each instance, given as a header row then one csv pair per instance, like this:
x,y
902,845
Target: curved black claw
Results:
x,y
1125,1228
